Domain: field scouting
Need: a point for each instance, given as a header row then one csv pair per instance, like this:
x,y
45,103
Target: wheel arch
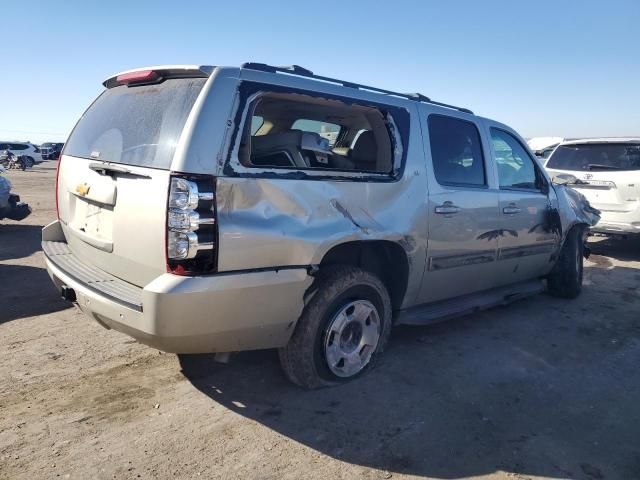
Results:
x,y
577,224
384,258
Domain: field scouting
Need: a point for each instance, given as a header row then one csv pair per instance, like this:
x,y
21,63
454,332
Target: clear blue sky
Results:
x,y
566,68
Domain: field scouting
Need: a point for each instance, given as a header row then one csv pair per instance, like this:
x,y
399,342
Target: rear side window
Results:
x,y
456,151
137,125
596,157
303,132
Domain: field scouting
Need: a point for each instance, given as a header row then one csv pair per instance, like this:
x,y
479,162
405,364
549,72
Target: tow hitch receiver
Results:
x,y
68,294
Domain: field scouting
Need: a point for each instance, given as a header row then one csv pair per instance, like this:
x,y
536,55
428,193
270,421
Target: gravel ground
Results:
x,y
543,388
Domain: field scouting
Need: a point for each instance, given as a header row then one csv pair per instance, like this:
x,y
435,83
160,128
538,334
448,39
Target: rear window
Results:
x,y
135,125
596,157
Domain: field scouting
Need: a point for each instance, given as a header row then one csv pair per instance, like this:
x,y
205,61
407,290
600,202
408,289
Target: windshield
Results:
x,y
135,125
596,157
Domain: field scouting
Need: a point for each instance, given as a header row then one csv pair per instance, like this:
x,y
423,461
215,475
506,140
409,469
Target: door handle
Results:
x,y
447,208
511,209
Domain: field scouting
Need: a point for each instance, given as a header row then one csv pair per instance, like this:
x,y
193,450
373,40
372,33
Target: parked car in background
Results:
x,y
51,151
544,146
29,151
10,205
268,207
608,174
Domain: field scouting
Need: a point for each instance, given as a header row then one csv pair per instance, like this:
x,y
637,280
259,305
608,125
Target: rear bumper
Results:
x,y
215,313
618,223
616,229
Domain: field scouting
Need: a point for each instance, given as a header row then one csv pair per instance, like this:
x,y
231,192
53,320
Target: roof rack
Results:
x,y
303,72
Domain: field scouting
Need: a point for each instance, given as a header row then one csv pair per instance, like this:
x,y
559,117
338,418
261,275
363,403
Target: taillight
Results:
x,y
191,225
57,181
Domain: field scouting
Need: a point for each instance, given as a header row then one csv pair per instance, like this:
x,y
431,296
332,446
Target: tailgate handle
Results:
x,y
104,169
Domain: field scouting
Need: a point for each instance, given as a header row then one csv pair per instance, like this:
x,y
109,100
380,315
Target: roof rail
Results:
x,y
303,72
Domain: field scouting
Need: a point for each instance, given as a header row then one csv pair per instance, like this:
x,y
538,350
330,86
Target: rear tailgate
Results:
x,y
114,174
611,191
115,222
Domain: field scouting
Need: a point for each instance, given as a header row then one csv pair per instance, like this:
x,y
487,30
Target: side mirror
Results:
x,y
565,179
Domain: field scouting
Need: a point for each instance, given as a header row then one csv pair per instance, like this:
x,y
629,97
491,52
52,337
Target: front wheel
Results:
x,y
343,328
565,280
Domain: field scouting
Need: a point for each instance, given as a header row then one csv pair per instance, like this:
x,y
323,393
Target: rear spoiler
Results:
x,y
158,73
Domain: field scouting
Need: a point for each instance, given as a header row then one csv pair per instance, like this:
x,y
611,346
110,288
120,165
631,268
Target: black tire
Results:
x,y
565,280
303,359
28,162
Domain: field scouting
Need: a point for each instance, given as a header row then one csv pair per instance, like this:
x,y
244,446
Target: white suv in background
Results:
x,y
24,149
543,147
608,170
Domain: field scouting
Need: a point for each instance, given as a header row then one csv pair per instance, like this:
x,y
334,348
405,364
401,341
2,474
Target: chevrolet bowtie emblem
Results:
x,y
82,189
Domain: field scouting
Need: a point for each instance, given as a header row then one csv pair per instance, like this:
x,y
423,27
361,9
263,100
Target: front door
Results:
x,y
527,240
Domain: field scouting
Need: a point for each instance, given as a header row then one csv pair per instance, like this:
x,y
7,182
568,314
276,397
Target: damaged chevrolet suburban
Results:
x,y
218,209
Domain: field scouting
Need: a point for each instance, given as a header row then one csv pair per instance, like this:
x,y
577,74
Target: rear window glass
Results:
x,y
135,125
596,157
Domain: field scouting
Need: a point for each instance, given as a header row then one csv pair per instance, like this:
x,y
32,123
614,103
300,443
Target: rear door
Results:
x,y
525,244
114,176
462,210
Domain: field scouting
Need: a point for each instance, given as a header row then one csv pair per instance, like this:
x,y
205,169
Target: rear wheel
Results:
x,y
342,330
565,280
27,162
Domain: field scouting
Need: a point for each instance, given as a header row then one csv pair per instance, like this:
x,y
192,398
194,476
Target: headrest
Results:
x,y
365,150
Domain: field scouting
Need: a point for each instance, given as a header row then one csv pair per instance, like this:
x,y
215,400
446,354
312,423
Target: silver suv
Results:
x,y
218,209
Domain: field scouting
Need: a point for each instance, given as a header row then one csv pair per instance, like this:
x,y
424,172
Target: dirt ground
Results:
x,y
543,388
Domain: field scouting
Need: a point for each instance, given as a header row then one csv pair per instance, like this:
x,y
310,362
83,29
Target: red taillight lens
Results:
x,y
141,77
57,181
192,231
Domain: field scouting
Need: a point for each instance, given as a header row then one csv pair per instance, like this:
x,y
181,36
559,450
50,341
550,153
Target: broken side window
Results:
x,y
303,132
